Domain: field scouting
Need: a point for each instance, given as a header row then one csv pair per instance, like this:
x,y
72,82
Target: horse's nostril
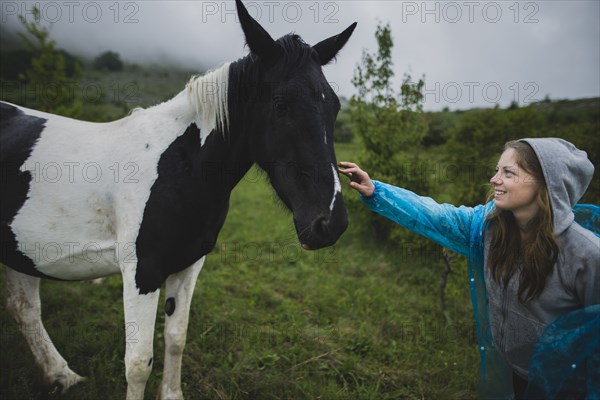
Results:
x,y
321,226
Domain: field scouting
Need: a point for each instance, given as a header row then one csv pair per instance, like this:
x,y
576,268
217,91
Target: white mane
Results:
x,y
208,96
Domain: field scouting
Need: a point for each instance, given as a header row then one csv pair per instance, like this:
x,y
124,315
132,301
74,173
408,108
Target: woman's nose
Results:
x,y
495,180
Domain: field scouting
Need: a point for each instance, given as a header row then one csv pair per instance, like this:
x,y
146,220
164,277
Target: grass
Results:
x,y
271,321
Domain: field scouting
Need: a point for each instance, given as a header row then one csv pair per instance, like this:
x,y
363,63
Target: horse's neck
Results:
x,y
204,103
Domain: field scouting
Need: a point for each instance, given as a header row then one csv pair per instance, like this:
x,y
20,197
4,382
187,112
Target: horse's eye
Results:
x,y
281,107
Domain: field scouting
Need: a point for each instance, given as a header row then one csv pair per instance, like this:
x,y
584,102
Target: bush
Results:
x,y
109,61
474,145
343,127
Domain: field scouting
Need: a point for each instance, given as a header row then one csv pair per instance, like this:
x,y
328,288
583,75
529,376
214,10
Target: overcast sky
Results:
x,y
472,53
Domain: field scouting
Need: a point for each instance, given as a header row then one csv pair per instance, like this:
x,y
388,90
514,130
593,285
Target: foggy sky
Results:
x,y
472,53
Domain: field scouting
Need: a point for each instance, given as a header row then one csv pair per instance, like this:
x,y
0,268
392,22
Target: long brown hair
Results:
x,y
535,256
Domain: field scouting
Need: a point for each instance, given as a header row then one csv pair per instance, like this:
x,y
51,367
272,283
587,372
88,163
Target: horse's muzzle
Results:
x,y
324,231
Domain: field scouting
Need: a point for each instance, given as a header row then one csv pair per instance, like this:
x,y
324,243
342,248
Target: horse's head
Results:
x,y
289,109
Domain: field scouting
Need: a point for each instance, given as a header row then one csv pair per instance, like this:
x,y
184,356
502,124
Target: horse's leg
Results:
x,y
140,316
23,302
179,291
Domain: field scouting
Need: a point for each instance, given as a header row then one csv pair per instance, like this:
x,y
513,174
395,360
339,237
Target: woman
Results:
x,y
529,265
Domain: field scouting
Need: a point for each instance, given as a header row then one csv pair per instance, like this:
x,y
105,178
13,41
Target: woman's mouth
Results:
x,y
498,193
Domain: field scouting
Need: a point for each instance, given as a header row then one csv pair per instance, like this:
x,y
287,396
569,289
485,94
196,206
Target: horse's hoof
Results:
x,y
64,381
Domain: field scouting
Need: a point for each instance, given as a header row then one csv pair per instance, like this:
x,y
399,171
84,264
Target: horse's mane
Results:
x,y
209,93
295,50
208,96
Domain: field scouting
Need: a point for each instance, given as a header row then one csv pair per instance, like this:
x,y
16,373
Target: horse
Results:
x,y
146,196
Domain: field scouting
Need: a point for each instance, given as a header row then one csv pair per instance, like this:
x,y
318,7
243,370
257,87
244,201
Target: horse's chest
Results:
x,y
171,239
184,213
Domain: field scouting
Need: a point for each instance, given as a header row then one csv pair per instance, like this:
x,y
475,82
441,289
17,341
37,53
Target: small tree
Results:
x,y
47,76
391,125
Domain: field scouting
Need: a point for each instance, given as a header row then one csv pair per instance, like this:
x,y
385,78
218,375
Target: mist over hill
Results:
x,y
472,54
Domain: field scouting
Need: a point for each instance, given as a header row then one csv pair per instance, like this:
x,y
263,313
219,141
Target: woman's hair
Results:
x,y
535,256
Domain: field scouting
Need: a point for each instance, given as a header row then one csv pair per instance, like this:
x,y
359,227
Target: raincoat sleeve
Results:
x,y
445,224
588,216
588,283
567,356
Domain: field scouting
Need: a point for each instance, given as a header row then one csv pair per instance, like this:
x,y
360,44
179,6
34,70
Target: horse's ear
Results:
x,y
328,48
258,40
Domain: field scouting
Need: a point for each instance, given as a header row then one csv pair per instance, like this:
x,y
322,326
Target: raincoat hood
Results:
x,y
567,172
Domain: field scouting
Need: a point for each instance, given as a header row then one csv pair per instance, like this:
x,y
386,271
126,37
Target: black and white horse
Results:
x,y
147,195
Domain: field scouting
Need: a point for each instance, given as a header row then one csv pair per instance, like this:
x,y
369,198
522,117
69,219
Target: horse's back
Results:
x,y
18,134
53,210
77,191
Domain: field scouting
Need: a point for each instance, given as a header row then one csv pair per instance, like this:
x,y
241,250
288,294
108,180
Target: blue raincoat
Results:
x,y
461,229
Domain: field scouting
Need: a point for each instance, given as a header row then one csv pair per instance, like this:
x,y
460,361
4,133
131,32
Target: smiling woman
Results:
x,y
521,223
532,266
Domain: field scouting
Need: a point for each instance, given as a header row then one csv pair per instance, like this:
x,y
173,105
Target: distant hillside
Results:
x,y
111,95
555,112
103,95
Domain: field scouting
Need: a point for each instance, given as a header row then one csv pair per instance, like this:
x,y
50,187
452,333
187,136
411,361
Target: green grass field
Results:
x,y
272,321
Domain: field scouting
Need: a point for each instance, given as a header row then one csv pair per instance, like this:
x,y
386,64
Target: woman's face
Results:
x,y
514,189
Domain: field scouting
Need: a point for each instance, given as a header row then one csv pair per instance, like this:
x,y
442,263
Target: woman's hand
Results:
x,y
359,179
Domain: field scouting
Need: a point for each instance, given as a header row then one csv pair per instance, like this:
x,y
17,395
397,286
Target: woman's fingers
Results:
x,y
348,168
360,180
353,171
